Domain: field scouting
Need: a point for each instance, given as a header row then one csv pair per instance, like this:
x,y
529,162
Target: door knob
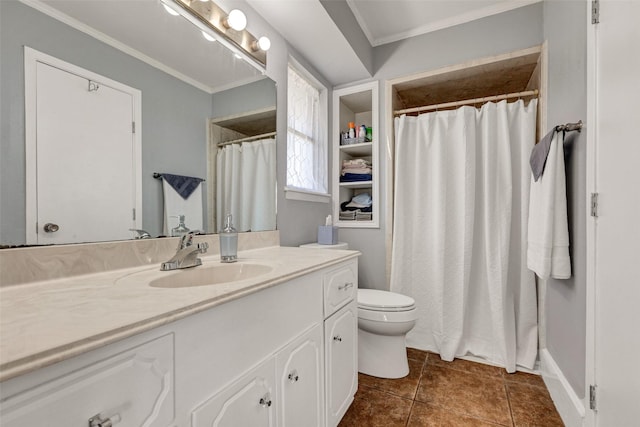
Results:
x,y
50,227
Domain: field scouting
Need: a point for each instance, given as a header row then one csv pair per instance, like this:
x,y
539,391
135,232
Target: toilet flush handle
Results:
x,y
345,286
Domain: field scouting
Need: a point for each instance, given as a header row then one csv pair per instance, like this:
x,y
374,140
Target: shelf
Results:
x,y
355,224
357,104
357,150
357,184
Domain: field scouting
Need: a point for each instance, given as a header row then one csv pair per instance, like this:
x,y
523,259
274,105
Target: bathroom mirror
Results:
x,y
193,91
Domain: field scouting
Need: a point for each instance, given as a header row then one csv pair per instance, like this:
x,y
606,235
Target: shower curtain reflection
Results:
x,y
460,229
246,185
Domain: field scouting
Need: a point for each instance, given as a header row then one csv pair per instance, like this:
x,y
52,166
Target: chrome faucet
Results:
x,y
186,255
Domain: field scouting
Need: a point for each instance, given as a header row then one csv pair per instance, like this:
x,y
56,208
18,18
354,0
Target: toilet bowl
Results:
x,y
384,318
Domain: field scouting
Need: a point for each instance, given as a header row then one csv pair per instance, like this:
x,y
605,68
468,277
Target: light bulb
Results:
x,y
236,20
264,43
170,11
208,36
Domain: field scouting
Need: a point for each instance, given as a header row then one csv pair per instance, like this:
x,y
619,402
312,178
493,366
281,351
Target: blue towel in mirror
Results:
x,y
184,185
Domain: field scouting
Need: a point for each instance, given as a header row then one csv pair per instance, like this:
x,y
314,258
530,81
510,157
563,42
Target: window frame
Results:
x,y
306,194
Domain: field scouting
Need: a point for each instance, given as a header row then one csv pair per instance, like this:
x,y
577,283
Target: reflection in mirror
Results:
x,y
198,102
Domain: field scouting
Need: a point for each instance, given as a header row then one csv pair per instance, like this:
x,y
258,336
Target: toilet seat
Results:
x,y
384,301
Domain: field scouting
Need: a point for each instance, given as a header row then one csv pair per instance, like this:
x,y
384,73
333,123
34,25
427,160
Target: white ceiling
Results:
x,y
385,21
178,47
144,29
308,27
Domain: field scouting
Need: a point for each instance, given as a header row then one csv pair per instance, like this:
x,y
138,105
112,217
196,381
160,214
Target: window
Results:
x,y
306,141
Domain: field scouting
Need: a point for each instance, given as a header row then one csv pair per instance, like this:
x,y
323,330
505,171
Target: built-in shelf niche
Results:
x,y
358,104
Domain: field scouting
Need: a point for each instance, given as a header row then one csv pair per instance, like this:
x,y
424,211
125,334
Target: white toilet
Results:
x,y
384,318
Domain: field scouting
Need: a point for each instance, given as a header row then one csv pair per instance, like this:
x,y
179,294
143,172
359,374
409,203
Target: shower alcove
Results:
x,y
514,72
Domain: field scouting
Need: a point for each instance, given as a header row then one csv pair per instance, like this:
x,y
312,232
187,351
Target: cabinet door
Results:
x,y
132,388
299,368
341,361
246,402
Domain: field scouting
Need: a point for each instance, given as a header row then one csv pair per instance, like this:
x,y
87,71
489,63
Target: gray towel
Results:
x,y
539,155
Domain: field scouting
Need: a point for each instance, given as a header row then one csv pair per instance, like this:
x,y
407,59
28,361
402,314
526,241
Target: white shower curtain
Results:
x,y
460,231
246,185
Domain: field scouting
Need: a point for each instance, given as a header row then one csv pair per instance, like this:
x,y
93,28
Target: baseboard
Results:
x,y
569,405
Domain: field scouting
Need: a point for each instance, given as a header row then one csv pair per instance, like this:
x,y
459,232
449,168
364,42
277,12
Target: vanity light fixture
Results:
x,y
236,20
263,44
226,28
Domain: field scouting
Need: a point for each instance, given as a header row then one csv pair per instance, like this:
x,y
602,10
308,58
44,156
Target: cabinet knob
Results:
x,y
345,286
337,338
98,421
293,376
266,400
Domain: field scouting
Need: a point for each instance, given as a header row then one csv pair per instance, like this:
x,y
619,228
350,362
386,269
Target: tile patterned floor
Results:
x,y
452,394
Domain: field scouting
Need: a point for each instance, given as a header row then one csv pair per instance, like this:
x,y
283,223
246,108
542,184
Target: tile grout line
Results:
x,y
506,390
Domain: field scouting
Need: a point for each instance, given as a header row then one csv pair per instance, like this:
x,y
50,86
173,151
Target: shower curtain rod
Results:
x,y
467,102
248,138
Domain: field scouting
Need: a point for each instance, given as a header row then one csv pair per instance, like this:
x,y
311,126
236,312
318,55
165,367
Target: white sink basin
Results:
x,y
210,275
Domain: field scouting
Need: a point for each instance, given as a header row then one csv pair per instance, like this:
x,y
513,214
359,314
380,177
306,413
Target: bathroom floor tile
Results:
x,y
532,406
426,415
476,395
403,387
374,408
452,394
467,366
415,354
524,378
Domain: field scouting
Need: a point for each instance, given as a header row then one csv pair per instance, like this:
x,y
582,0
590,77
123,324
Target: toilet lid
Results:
x,y
374,299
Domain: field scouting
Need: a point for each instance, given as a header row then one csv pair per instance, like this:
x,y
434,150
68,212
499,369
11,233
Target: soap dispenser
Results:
x,y
228,242
181,229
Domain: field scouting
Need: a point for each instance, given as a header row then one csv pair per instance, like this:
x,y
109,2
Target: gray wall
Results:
x,y
248,97
565,31
503,33
174,113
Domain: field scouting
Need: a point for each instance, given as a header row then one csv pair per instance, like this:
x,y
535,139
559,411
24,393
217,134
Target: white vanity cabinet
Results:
x,y
283,356
300,374
285,390
129,387
341,340
246,402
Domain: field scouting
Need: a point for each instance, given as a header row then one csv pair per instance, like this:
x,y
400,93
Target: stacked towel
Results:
x,y
347,215
359,208
356,170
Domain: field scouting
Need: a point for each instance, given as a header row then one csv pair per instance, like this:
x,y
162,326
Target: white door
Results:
x,y
300,379
86,162
616,247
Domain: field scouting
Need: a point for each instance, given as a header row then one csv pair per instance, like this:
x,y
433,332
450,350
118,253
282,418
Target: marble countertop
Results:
x,y
45,322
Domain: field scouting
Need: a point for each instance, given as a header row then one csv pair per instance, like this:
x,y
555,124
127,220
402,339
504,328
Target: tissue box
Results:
x,y
327,235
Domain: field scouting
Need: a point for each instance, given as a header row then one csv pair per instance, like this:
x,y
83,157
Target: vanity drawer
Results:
x,y
131,388
340,287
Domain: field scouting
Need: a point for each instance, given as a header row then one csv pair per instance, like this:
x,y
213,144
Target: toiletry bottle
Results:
x,y
352,130
363,131
228,242
181,229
